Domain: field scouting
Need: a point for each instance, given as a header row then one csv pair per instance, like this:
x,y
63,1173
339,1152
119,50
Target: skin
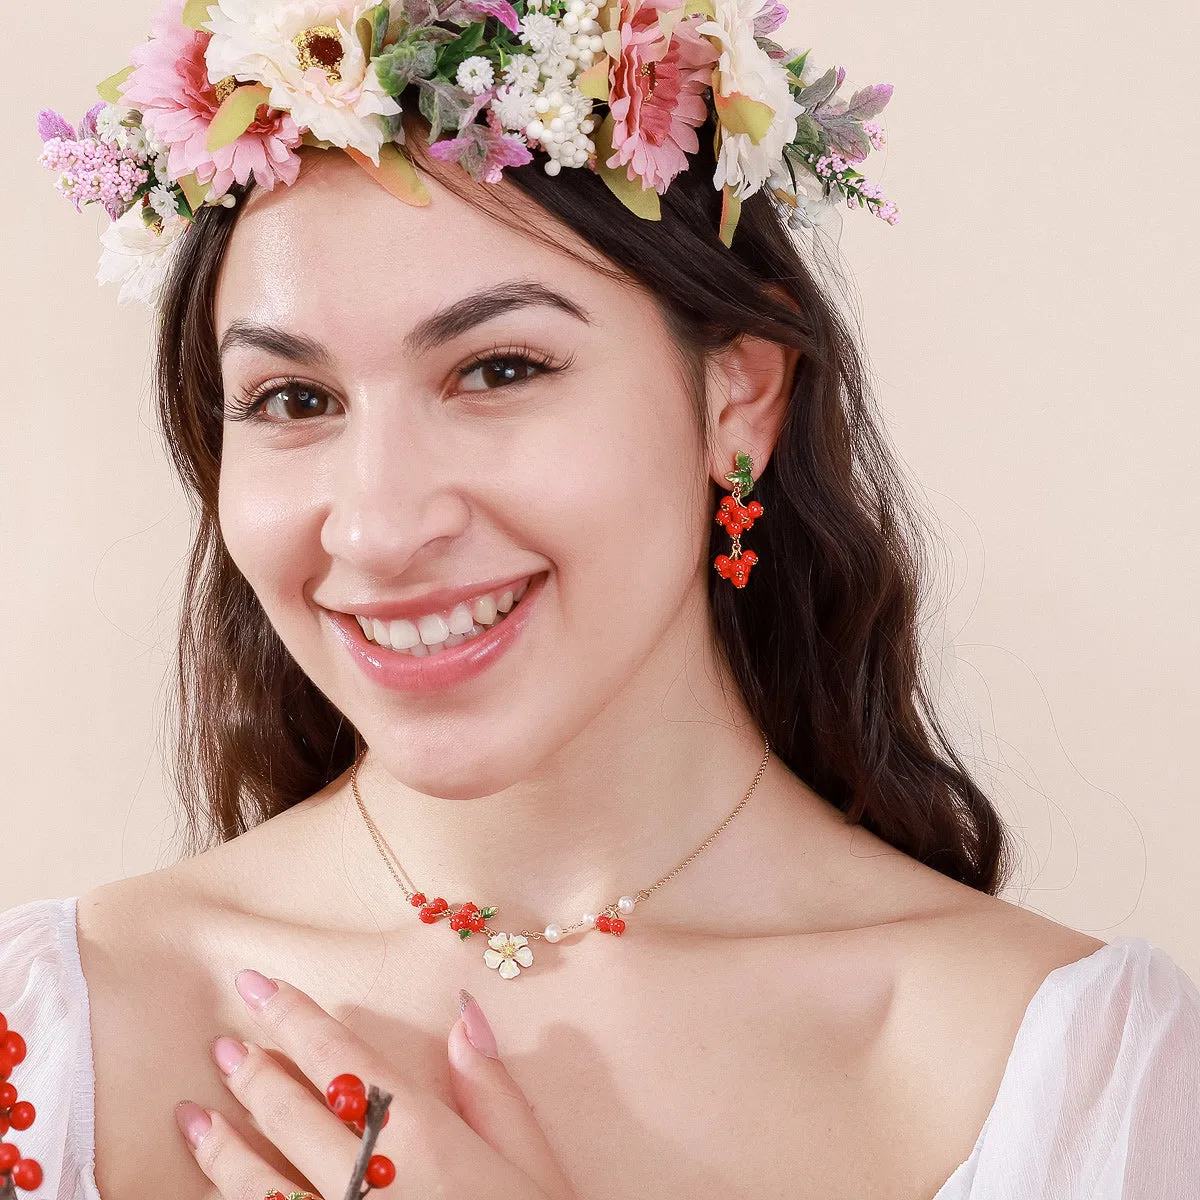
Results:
x,y
771,1005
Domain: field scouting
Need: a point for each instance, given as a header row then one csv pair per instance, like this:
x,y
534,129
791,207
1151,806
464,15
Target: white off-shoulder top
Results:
x,y
1100,1097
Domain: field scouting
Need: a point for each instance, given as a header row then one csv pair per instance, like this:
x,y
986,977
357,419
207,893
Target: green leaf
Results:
x,y
461,48
640,200
819,91
195,13
442,105
193,191
742,473
464,934
395,173
594,81
236,115
487,913
110,88
731,210
412,58
741,114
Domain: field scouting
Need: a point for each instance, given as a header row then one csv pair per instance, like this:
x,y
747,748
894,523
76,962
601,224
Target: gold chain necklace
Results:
x,y
509,953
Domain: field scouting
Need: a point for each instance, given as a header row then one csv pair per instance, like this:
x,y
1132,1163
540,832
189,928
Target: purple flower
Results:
x,y
51,125
483,151
769,18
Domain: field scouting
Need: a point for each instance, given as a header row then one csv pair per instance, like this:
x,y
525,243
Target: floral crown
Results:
x,y
228,90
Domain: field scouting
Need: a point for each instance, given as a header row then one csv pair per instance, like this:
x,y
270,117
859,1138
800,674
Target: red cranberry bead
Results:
x,y
22,1115
438,904
342,1085
14,1044
602,922
27,1174
417,899
8,1095
428,915
350,1106
617,926
380,1170
9,1156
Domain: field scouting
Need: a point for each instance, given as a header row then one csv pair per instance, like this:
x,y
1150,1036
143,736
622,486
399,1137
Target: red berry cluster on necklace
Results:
x,y
15,1171
610,924
465,920
347,1096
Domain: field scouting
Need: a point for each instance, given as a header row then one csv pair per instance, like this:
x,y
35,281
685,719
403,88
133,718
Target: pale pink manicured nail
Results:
x,y
479,1032
228,1053
193,1121
254,988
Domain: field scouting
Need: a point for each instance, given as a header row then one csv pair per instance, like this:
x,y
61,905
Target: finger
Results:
x,y
492,1103
225,1158
298,1122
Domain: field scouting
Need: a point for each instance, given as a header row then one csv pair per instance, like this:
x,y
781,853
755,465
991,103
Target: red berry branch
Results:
x,y
365,1111
15,1171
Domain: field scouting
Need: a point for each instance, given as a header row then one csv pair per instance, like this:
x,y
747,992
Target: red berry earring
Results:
x,y
736,518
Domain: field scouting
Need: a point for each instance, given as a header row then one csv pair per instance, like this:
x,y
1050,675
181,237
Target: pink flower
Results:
x,y
90,170
170,86
656,93
483,151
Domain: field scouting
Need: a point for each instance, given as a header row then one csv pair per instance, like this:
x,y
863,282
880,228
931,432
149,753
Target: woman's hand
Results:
x,y
491,1147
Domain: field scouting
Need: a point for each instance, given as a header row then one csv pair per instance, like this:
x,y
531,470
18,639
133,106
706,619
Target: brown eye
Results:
x,y
294,401
502,370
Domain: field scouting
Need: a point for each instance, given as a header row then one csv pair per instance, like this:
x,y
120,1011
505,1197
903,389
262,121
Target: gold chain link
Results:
x,y
610,909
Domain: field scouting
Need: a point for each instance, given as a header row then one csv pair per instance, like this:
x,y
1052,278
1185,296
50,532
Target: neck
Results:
x,y
607,814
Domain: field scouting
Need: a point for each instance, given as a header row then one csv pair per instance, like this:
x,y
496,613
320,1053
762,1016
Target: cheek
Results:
x,y
268,522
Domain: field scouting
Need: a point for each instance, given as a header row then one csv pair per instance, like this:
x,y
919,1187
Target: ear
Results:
x,y
749,388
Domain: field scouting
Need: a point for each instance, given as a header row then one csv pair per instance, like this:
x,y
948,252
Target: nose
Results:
x,y
391,493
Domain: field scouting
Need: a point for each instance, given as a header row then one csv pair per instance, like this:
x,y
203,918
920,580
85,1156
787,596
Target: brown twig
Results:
x,y
377,1105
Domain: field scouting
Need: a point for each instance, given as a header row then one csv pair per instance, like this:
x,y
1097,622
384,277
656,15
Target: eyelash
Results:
x,y
248,404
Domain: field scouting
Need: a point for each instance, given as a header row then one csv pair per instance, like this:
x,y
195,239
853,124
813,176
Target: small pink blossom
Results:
x,y
90,170
171,88
483,151
656,92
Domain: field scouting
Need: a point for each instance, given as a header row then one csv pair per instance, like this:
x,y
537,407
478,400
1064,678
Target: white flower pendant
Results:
x,y
504,953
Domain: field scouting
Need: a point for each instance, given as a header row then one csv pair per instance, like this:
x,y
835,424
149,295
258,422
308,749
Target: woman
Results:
x,y
460,624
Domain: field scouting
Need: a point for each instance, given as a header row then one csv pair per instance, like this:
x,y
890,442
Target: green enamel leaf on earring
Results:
x,y
488,913
464,934
741,474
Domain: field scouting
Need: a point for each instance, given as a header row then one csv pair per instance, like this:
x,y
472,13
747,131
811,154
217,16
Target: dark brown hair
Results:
x,y
823,643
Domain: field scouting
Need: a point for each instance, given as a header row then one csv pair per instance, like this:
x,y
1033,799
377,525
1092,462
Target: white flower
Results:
x,y
307,53
162,200
506,952
744,67
138,258
522,71
546,38
475,74
514,107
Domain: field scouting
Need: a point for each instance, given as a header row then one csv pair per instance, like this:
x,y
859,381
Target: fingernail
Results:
x,y
193,1121
479,1032
228,1053
254,988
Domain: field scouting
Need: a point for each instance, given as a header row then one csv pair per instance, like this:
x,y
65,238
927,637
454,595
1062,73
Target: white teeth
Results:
x,y
402,634
460,620
433,629
484,610
433,633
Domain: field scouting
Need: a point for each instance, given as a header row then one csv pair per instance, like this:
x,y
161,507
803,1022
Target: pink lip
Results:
x,y
403,673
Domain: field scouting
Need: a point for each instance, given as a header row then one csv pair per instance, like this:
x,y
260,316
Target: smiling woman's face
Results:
x,y
452,407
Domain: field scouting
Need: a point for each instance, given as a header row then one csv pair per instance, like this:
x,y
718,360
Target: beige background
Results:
x,y
1030,322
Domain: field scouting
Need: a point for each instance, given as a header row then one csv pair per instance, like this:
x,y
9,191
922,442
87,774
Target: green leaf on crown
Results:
x,y
739,113
640,200
452,53
409,59
236,115
195,13
110,89
731,211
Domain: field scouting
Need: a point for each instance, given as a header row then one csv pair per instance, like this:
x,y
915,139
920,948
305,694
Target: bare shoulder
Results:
x,y
963,980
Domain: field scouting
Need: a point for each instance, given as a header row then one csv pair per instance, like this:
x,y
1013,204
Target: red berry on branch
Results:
x,y
9,1156
27,1174
14,1045
417,899
428,915
8,1095
3,1125
22,1114
438,904
602,922
342,1085
350,1106
3,1024
617,926
380,1170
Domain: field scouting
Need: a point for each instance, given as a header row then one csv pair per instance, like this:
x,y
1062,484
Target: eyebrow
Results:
x,y
447,323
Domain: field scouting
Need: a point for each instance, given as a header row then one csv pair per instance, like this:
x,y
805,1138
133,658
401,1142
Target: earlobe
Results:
x,y
750,386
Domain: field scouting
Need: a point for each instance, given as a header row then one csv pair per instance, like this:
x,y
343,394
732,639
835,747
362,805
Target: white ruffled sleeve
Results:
x,y
1100,1099
44,998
